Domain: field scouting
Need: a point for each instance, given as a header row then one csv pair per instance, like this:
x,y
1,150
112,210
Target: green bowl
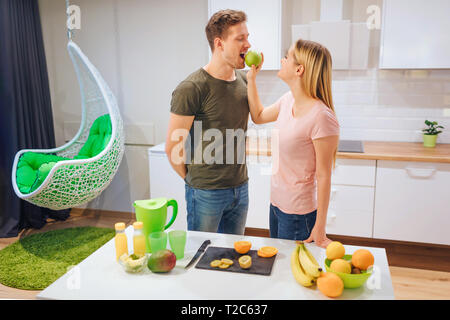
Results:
x,y
350,280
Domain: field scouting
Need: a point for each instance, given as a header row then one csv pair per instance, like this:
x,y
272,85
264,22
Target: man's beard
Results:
x,y
240,65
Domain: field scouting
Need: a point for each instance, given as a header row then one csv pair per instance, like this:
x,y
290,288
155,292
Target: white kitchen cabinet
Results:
x,y
412,201
357,172
259,193
350,210
406,23
263,24
335,36
165,182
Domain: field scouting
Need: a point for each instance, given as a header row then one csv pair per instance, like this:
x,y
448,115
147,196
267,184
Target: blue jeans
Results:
x,y
219,210
291,226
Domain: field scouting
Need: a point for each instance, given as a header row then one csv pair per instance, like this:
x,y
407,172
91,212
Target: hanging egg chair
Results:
x,y
80,170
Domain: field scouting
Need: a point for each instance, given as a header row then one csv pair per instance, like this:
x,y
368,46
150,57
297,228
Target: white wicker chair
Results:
x,y
72,183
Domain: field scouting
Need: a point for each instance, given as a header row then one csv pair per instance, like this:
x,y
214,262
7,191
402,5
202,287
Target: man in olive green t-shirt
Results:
x,y
206,136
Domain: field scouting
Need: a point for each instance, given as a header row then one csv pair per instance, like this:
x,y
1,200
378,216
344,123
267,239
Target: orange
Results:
x,y
242,246
330,284
267,252
362,259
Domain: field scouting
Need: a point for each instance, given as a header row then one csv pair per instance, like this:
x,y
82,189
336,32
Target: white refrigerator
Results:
x,y
165,182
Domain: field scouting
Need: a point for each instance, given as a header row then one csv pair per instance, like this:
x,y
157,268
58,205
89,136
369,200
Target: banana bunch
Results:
x,y
304,266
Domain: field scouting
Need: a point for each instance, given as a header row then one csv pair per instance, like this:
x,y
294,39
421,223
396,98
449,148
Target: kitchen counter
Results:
x,y
379,150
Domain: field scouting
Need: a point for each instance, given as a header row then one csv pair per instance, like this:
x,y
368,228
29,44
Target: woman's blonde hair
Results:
x,y
316,79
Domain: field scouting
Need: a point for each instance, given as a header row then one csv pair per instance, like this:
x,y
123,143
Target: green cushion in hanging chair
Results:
x,y
33,168
98,139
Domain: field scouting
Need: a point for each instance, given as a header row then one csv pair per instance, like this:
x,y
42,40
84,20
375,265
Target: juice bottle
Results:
x,y
138,239
121,240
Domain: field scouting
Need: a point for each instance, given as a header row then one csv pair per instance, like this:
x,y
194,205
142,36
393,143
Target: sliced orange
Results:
x,y
242,246
267,252
263,254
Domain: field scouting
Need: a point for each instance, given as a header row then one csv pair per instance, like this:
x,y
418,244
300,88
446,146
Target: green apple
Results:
x,y
253,58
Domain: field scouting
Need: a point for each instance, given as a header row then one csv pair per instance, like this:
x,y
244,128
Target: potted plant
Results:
x,y
430,134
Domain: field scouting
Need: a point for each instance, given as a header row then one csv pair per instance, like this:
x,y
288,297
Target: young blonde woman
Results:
x,y
308,133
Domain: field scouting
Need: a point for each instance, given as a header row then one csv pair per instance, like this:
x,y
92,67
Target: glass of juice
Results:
x,y
120,240
138,239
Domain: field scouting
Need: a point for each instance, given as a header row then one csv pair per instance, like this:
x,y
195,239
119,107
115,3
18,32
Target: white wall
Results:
x,y
144,48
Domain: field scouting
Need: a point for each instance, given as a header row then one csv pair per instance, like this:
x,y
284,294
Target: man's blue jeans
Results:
x,y
219,210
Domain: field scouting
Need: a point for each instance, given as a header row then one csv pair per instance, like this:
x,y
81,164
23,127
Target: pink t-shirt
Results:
x,y
293,182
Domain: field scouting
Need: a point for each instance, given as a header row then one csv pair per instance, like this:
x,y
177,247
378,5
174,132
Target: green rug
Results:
x,y
38,260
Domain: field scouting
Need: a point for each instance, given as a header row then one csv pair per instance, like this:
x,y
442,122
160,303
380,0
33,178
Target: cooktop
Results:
x,y
351,146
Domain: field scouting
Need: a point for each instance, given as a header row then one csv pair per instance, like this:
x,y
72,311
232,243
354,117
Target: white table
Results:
x,y
99,276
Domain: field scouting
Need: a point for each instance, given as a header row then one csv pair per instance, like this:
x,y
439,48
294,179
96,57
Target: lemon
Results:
x,y
335,250
227,261
215,263
245,262
341,265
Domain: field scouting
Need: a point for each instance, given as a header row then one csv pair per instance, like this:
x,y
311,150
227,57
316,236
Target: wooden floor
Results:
x,y
408,283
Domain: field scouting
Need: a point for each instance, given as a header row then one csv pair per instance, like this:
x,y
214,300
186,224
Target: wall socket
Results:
x,y
418,74
446,112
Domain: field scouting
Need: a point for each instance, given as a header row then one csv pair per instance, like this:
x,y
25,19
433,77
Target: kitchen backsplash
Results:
x,y
380,105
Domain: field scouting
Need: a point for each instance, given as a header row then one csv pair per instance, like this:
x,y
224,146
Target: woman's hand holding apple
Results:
x,y
251,74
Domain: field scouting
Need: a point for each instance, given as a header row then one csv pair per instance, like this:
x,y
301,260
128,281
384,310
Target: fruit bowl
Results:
x,y
133,263
350,280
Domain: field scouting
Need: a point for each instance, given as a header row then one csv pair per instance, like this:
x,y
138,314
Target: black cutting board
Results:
x,y
262,266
